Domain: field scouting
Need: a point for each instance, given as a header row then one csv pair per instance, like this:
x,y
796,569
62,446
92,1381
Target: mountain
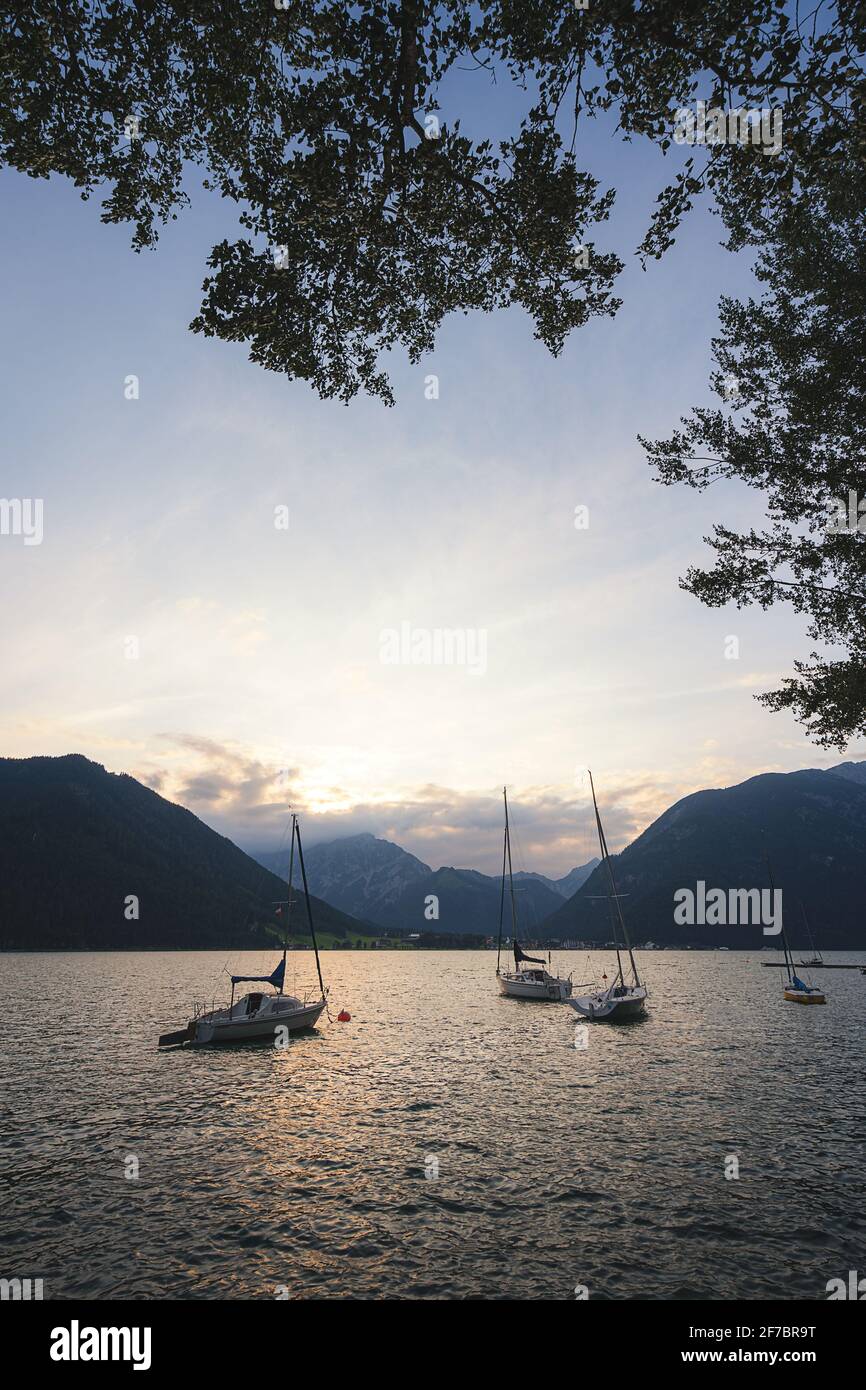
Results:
x,y
577,878
76,842
855,772
566,886
379,882
467,901
812,824
358,874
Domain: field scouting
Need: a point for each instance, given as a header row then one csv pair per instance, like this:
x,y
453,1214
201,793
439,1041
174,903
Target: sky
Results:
x,y
167,627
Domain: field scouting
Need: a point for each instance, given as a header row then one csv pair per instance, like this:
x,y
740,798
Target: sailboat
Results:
x,y
620,1000
522,983
260,1016
795,990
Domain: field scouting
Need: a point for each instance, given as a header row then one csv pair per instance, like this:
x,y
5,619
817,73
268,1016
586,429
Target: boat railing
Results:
x,y
201,1007
312,995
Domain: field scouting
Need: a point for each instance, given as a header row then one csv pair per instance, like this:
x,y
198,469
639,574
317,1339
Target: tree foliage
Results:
x,y
314,119
790,368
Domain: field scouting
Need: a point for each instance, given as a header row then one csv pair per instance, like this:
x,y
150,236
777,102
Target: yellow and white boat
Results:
x,y
798,993
795,990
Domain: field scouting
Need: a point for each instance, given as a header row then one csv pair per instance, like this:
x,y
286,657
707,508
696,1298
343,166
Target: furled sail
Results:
x,y
521,955
276,979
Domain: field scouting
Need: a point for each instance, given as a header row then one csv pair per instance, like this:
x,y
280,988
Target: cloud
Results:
x,y
249,799
222,780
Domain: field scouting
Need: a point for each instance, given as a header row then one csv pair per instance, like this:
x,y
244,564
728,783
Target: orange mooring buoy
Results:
x,y
344,1016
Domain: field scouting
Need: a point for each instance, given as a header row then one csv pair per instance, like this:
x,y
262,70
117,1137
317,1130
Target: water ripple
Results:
x,y
447,1143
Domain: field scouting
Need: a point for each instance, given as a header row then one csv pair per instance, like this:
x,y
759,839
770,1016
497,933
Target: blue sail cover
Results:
x,y
276,979
798,984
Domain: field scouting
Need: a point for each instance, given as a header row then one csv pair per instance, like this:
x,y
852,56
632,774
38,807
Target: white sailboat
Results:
x,y
621,1000
255,1016
523,983
259,1016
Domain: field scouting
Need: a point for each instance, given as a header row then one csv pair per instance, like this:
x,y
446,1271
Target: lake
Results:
x,y
446,1143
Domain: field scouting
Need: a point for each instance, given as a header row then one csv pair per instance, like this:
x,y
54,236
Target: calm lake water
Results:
x,y
305,1168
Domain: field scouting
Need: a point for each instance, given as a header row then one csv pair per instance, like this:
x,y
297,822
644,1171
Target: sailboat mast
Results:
x,y
605,854
501,902
789,959
815,953
309,909
510,874
289,885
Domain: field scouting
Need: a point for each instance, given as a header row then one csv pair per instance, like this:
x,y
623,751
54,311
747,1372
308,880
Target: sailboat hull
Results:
x,y
280,1015
610,1007
799,996
520,986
